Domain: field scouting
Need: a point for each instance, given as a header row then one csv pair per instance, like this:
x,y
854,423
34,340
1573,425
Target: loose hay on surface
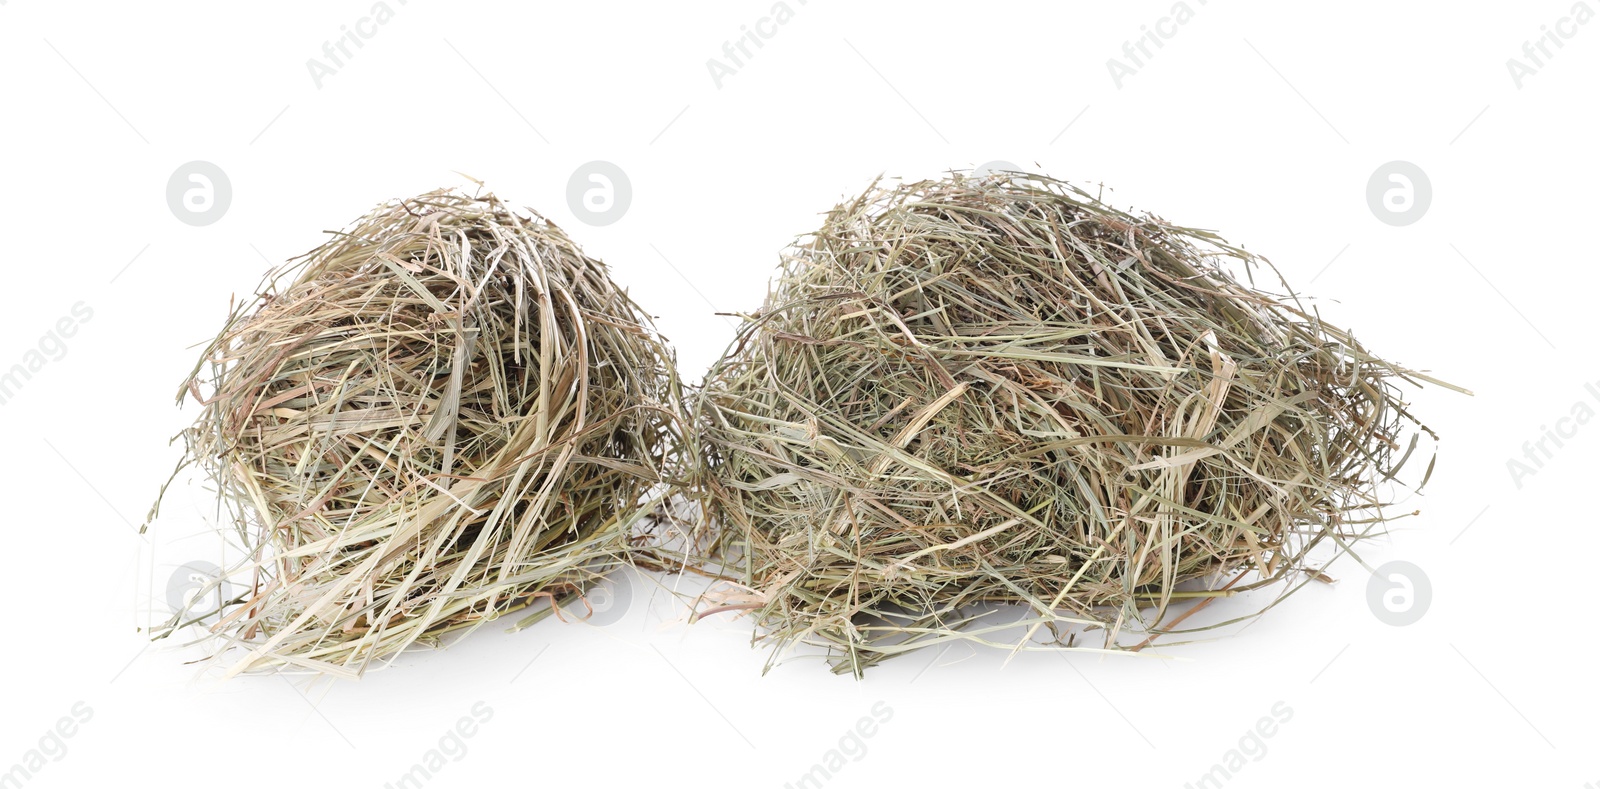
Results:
x,y
448,413
1000,390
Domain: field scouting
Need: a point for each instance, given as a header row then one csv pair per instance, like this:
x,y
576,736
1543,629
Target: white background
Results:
x,y
1263,120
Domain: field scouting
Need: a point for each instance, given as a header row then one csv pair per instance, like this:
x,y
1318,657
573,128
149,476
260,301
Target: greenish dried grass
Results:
x,y
970,392
447,414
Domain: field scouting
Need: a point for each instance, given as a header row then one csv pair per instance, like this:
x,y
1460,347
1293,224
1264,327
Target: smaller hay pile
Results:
x,y
999,390
448,414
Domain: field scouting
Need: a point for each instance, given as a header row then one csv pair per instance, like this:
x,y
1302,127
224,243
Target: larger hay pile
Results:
x,y
1001,390
444,415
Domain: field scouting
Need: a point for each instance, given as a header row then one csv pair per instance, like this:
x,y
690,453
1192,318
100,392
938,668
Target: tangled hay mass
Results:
x,y
1000,390
448,414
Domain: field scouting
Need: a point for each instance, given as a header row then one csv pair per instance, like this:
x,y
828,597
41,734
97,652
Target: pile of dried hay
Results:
x,y
991,390
447,414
